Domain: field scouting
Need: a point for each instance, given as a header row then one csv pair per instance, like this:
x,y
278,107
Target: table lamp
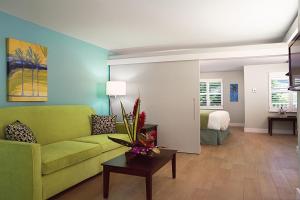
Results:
x,y
115,88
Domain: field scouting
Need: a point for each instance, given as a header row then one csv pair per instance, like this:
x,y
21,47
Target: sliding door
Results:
x,y
169,94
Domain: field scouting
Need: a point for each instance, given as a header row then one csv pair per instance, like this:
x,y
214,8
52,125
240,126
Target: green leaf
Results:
x,y
121,142
126,123
135,122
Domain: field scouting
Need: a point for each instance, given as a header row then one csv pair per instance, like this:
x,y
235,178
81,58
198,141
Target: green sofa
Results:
x,y
65,155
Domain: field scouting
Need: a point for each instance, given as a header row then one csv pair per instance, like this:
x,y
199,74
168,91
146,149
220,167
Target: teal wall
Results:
x,y
77,71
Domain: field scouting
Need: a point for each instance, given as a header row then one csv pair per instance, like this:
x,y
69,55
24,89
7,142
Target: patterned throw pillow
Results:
x,y
18,131
103,124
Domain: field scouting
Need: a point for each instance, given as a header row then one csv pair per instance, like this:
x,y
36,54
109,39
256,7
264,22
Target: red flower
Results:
x,y
135,107
142,120
153,134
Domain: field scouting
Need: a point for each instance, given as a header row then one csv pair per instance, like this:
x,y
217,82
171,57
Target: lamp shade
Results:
x,y
115,88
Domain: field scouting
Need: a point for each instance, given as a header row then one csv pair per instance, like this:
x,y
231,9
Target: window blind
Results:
x,y
280,96
211,93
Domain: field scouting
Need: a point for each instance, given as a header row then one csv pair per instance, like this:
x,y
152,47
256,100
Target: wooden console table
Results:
x,y
293,119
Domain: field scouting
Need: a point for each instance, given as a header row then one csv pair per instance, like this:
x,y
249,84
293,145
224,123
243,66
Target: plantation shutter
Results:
x,y
294,101
280,93
203,93
211,94
280,96
215,93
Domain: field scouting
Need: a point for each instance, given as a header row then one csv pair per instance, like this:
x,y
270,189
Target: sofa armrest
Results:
x,y
20,171
121,128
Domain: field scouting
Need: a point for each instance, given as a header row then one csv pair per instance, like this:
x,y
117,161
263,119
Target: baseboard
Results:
x,y
255,130
262,130
236,124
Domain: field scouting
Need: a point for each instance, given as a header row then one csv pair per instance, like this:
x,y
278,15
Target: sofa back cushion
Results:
x,y
50,123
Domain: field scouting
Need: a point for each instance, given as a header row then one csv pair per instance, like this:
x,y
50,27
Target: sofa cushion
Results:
x,y
59,155
107,144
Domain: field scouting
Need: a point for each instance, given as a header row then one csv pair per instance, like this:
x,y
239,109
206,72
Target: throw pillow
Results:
x,y
103,124
18,131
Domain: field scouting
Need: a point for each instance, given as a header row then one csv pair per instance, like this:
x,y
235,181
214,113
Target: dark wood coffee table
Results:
x,y
138,167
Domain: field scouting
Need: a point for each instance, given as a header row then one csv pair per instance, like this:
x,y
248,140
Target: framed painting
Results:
x,y
234,92
27,71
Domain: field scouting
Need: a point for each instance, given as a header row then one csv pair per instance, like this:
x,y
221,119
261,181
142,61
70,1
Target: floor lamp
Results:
x,y
115,88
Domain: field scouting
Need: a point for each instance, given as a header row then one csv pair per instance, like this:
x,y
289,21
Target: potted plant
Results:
x,y
140,144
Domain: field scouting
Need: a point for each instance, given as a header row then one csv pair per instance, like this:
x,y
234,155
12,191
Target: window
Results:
x,y
211,94
279,95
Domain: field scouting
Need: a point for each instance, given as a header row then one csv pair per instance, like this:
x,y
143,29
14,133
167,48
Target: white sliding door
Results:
x,y
170,97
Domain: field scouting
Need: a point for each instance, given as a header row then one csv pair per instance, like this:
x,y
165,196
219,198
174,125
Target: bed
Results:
x,y
214,126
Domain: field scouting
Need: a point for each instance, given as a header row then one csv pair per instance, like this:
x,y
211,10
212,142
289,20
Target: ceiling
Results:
x,y
130,25
234,64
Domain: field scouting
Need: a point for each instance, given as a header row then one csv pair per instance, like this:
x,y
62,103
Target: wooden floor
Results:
x,y
246,167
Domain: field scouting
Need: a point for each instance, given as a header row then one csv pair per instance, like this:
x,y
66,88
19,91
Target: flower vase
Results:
x,y
130,155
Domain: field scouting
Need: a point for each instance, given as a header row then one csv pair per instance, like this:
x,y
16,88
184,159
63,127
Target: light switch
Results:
x,y
253,90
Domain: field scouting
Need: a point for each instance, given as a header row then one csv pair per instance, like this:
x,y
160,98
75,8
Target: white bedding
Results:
x,y
218,120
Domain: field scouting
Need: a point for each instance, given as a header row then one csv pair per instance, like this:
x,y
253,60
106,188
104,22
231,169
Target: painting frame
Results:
x,y
27,71
234,92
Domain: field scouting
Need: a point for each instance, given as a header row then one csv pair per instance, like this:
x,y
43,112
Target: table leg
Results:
x,y
294,127
105,182
271,126
149,187
174,166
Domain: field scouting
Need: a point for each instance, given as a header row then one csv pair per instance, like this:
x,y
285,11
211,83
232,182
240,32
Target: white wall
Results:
x,y
235,109
257,104
169,94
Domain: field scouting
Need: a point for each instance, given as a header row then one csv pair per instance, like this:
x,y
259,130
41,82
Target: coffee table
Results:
x,y
138,167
